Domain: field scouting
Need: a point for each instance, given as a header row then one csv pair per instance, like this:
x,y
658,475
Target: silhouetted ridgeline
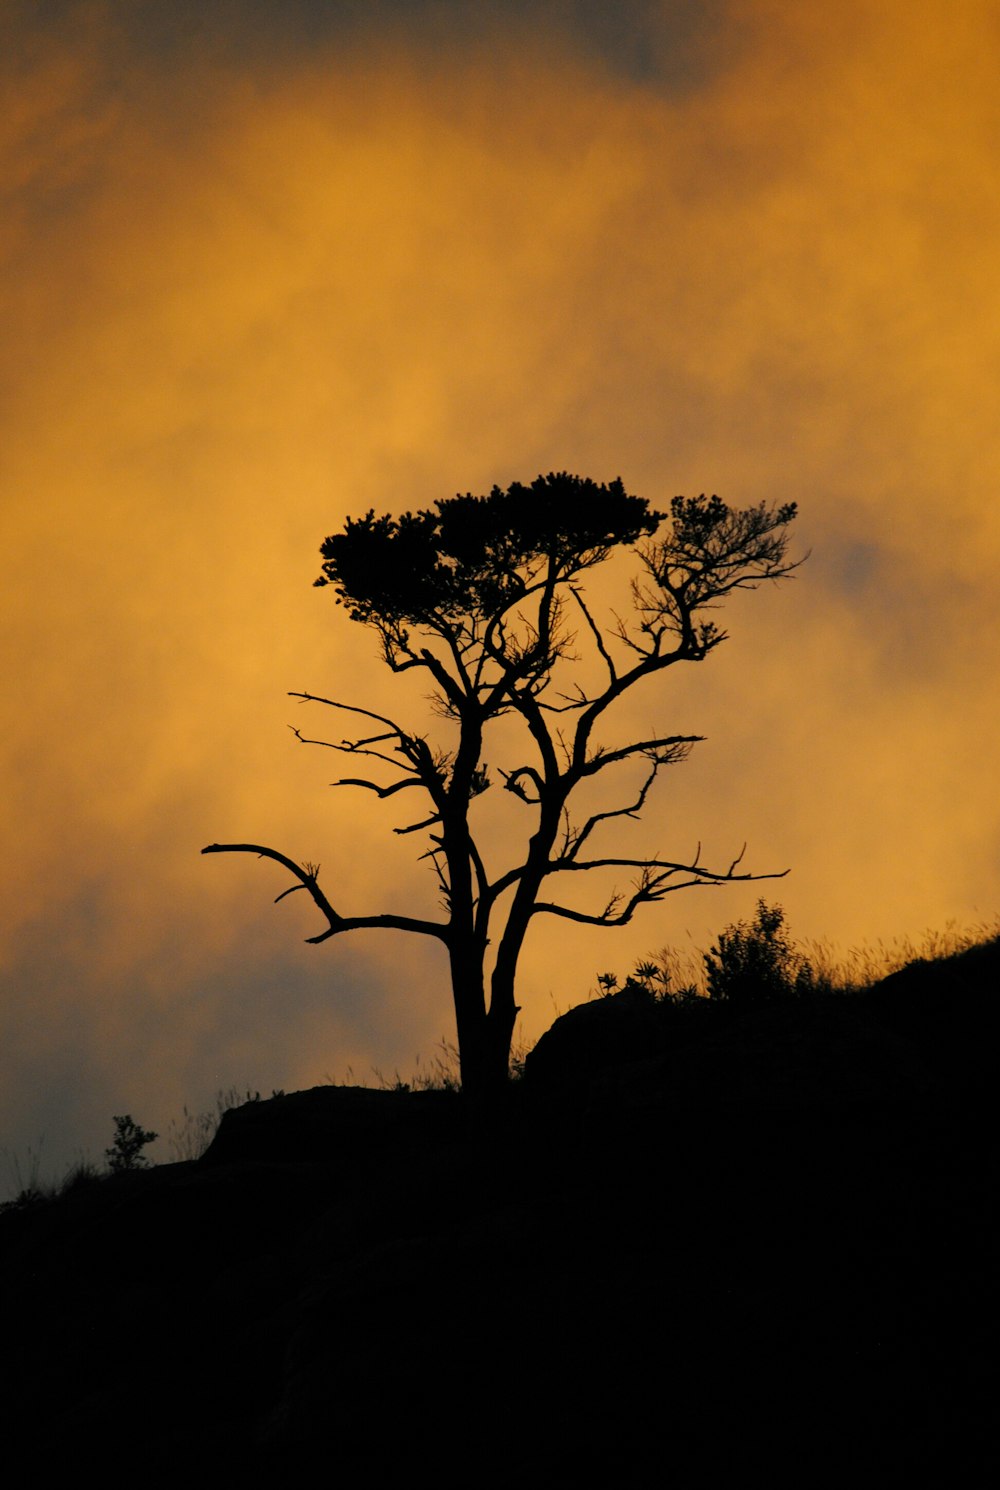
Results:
x,y
694,1235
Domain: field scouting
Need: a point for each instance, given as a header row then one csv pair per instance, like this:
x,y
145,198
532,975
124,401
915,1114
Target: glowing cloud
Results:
x,y
247,291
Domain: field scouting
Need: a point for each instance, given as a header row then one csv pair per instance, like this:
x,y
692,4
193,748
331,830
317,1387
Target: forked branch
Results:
x,y
574,841
657,879
307,876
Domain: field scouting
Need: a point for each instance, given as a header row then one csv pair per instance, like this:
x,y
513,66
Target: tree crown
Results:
x,y
474,556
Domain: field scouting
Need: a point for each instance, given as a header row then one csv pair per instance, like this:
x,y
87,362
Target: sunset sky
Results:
x,y
266,266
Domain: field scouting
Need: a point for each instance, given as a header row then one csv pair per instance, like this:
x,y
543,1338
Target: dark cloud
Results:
x,y
668,43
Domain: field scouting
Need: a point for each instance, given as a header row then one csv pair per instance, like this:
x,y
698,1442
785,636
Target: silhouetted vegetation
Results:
x,y
31,1190
755,962
795,1192
483,597
761,960
125,1153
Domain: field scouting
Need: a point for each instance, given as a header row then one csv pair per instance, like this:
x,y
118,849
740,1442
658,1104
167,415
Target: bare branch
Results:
x,y
505,881
665,750
428,822
569,703
574,842
307,874
624,635
666,867
373,786
290,891
649,888
332,703
358,747
596,633
455,692
512,783
610,916
434,855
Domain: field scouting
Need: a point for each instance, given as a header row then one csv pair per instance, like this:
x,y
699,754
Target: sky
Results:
x,y
266,267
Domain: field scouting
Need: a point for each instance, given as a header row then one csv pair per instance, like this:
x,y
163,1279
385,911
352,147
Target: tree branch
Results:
x,y
332,703
575,841
665,750
427,822
307,877
373,786
512,783
650,888
596,633
361,747
668,867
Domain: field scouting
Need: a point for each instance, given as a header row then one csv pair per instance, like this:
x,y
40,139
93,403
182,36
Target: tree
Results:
x,y
480,595
125,1154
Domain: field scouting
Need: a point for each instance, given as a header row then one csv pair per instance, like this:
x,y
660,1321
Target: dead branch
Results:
x,y
307,877
596,633
666,750
574,842
649,889
373,786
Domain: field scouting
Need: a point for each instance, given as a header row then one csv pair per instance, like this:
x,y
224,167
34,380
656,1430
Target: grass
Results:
x,y
190,1136
866,964
671,973
442,1073
31,1190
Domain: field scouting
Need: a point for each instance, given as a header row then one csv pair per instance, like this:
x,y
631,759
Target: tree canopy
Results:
x,y
472,557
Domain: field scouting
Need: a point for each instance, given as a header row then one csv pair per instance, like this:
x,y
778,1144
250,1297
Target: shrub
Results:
x,y
125,1154
755,962
664,980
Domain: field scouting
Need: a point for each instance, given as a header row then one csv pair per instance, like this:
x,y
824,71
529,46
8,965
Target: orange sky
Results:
x,y
258,276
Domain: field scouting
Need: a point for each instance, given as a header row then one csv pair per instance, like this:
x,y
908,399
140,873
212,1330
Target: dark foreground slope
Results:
x,y
708,1242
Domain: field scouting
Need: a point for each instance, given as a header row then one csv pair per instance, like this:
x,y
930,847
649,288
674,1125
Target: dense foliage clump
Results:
x,y
125,1154
755,962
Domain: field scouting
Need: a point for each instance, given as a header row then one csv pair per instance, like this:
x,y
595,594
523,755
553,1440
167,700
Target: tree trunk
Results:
x,y
471,1022
503,1009
484,1039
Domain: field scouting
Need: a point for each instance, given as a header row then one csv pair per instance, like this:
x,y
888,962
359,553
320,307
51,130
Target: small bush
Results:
x,y
125,1154
755,962
80,1176
26,1182
31,1190
665,979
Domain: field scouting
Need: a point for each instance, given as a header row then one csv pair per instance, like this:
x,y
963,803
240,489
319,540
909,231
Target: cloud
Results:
x,y
250,289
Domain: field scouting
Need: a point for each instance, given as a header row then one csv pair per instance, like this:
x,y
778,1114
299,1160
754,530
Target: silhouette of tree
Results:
x,y
482,596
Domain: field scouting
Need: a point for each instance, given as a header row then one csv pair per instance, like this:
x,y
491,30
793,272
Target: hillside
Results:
x,y
697,1236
